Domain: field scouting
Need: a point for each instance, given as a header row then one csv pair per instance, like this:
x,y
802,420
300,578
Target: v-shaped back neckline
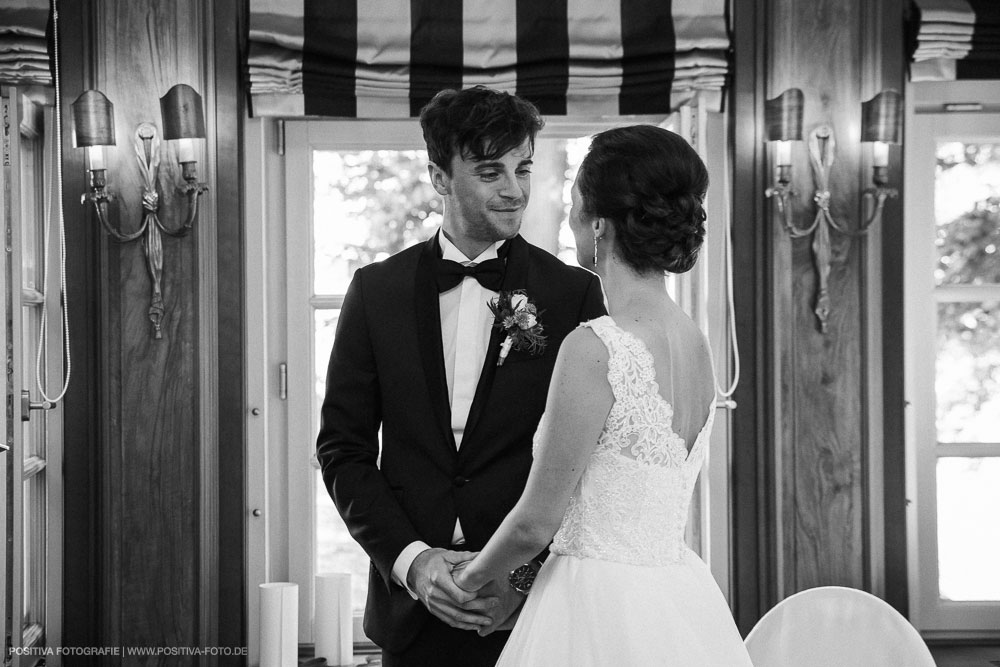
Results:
x,y
655,387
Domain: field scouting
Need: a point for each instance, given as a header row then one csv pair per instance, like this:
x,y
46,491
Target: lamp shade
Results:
x,y
182,113
93,120
783,116
882,116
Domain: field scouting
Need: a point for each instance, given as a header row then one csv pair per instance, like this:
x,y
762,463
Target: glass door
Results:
x,y
953,383
31,428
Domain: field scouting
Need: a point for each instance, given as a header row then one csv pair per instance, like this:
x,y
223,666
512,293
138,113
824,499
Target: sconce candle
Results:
x,y
93,129
185,150
783,153
881,124
95,158
783,121
880,154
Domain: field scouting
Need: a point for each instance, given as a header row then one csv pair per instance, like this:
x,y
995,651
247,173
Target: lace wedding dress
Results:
x,y
621,587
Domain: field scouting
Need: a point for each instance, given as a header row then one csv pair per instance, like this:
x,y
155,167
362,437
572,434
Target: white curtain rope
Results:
x,y
43,328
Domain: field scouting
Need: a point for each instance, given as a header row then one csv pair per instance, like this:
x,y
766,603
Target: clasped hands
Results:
x,y
435,576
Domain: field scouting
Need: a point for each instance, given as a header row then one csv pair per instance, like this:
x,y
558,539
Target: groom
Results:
x,y
416,356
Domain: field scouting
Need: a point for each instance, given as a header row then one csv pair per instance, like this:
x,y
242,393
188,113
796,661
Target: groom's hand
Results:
x,y
509,602
430,578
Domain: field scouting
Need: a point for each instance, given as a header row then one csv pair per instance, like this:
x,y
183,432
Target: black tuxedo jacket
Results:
x,y
387,371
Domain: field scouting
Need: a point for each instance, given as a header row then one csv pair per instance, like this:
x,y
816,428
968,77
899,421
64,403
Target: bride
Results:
x,y
627,421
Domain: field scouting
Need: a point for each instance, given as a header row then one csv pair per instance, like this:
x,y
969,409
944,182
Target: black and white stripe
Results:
x,y
387,58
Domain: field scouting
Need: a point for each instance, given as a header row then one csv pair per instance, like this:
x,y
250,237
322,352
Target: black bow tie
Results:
x,y
488,273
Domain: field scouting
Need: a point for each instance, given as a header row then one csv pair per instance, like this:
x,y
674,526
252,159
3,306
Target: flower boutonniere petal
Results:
x,y
515,315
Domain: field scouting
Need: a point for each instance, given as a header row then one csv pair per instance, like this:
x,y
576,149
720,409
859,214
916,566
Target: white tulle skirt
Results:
x,y
591,612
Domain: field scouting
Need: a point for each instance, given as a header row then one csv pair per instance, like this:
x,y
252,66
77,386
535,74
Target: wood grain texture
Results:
x,y
153,488
821,381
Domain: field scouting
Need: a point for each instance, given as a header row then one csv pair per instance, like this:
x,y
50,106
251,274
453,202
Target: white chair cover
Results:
x,y
833,626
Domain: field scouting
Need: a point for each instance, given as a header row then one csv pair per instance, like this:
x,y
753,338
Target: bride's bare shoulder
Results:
x,y
583,345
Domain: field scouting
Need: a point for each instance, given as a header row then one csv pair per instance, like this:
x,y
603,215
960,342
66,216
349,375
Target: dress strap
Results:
x,y
627,375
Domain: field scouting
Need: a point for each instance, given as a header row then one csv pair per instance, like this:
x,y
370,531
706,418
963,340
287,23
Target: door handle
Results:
x,y
27,405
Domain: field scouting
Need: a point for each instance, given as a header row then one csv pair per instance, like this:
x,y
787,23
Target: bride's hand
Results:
x,y
458,573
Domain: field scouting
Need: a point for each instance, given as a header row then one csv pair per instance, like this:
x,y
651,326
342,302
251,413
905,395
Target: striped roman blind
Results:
x,y
387,58
955,39
24,53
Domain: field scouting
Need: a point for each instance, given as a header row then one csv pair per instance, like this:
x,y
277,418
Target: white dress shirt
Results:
x,y
465,334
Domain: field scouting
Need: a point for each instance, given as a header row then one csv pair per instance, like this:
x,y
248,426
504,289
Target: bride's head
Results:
x,y
639,196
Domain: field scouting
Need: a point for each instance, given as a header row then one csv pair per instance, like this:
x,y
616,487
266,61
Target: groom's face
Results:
x,y
485,199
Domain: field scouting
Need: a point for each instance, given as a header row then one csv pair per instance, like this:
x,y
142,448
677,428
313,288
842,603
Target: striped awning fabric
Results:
x,y
955,39
24,53
387,58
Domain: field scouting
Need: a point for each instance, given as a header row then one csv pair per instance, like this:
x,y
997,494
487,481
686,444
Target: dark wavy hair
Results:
x,y
477,123
650,184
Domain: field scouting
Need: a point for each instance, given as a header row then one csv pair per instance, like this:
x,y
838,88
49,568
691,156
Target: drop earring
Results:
x,y
596,238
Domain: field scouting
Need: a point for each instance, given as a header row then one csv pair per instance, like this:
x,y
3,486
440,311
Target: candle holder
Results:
x,y
93,130
881,122
184,122
783,119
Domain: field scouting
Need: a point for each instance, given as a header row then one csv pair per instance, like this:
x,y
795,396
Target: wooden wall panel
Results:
x,y
817,479
817,49
152,449
149,570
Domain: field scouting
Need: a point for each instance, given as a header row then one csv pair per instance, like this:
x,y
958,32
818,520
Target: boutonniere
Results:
x,y
514,314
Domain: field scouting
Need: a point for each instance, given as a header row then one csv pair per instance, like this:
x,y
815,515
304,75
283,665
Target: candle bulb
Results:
x,y
783,153
95,157
185,150
880,154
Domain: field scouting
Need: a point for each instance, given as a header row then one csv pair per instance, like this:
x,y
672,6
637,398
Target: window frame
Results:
x,y
276,158
35,503
309,136
927,123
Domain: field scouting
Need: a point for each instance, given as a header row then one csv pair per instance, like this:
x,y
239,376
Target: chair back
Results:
x,y
833,626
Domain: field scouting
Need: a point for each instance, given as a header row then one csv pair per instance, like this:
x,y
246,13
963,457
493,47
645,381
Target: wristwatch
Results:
x,y
522,578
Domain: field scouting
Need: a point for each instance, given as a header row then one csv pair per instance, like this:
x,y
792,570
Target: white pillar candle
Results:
x,y
333,627
279,624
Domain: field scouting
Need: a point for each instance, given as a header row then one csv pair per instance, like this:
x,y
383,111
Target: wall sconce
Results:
x,y
93,129
183,121
783,120
881,121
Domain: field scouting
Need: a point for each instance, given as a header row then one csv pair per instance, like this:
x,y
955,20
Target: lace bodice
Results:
x,y
631,504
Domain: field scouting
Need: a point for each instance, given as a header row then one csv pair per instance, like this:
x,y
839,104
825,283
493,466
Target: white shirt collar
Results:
x,y
450,251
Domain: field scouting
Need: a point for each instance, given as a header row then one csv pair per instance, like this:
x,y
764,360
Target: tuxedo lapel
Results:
x,y
428,315
515,277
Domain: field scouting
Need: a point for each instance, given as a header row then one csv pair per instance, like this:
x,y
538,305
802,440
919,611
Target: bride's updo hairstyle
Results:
x,y
650,184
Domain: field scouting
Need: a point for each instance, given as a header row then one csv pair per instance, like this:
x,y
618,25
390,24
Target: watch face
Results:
x,y
522,578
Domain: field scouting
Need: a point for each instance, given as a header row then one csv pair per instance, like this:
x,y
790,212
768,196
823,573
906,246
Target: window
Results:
x,y
356,192
953,364
33,530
